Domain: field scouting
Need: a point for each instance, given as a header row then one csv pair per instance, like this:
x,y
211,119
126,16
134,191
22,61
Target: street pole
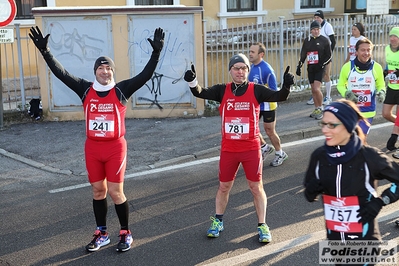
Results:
x,y
1,95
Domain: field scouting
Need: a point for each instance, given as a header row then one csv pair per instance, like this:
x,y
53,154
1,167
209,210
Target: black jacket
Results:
x,y
357,177
320,44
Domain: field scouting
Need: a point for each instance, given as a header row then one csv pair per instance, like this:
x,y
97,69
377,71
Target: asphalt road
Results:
x,y
47,219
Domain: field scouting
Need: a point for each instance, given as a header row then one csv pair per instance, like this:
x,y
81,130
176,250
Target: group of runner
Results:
x,y
243,101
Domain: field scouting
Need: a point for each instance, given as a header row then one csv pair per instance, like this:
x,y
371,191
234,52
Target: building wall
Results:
x,y
128,49
64,3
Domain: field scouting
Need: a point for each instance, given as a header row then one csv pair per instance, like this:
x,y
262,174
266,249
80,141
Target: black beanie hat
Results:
x,y
319,13
346,114
238,58
104,60
314,24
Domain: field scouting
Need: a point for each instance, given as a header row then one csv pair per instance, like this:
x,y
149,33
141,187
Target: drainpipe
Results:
x,y
201,3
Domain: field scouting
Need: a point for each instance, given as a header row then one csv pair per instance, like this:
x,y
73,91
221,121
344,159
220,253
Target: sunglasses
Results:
x,y
237,68
329,125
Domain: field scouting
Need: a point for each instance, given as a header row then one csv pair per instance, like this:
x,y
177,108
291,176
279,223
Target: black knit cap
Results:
x,y
104,60
315,24
319,13
239,58
346,114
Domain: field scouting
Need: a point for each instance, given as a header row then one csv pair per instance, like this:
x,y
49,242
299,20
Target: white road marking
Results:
x,y
271,249
189,164
144,173
266,250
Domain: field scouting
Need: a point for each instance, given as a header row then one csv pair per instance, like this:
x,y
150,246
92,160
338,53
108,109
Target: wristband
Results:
x,y
193,83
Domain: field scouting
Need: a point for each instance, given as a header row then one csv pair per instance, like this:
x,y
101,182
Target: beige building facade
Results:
x,y
118,17
223,13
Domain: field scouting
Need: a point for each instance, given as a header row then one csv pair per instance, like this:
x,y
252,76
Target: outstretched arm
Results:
x,y
129,86
214,93
78,85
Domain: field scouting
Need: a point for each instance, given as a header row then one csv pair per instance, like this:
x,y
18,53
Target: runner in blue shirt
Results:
x,y
262,73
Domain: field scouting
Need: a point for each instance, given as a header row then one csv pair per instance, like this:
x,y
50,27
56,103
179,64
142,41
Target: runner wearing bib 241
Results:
x,y
104,103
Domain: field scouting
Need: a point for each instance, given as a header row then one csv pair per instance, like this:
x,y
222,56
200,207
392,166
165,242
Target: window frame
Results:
x,y
156,4
223,15
239,9
133,2
323,5
20,5
301,11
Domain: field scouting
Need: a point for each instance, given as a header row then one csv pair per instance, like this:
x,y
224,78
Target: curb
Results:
x,y
34,163
295,96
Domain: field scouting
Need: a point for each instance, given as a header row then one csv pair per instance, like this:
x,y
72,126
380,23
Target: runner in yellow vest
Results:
x,y
362,81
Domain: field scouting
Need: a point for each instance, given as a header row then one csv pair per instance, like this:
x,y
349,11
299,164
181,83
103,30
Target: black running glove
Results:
x,y
298,68
191,77
288,78
313,188
157,43
370,210
190,74
38,39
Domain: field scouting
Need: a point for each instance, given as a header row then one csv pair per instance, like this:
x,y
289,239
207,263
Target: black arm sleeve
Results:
x,y
214,93
333,42
304,51
78,85
129,86
311,174
383,167
264,94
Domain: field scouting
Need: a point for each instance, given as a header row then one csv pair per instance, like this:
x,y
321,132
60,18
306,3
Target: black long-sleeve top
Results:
x,y
320,44
262,93
125,90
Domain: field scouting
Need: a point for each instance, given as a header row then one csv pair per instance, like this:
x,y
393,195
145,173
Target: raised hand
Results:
x,y
38,39
157,43
288,78
190,75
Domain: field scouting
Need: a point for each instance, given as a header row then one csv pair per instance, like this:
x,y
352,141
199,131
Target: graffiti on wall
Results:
x,y
167,86
74,43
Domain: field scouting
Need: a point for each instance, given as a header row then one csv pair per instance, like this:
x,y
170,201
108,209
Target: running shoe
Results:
x,y
125,240
98,241
216,227
317,114
264,234
396,155
279,159
327,100
310,101
266,150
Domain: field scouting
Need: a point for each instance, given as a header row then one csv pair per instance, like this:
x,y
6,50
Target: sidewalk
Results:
x,y
58,146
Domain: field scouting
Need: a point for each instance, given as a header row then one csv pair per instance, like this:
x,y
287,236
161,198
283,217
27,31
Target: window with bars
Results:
x,y
153,2
241,5
313,3
24,8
